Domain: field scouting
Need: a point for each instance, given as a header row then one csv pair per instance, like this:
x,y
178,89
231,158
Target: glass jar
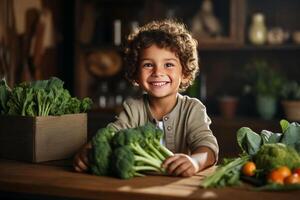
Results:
x,y
103,95
258,30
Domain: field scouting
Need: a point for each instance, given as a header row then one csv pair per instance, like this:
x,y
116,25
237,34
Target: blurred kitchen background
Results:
x,y
249,54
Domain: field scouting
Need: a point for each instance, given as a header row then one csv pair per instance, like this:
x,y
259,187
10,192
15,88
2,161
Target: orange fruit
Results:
x,y
292,179
275,176
285,171
249,168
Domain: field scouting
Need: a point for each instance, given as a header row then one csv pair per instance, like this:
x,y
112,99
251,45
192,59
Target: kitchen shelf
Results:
x,y
249,47
221,58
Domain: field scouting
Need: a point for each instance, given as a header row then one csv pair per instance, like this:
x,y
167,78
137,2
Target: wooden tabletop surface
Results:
x,y
59,180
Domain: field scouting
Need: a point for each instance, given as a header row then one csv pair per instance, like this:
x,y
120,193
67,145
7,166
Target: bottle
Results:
x,y
120,93
258,30
117,32
103,97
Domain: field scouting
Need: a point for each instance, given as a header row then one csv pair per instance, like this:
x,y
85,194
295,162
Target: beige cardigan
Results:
x,y
186,127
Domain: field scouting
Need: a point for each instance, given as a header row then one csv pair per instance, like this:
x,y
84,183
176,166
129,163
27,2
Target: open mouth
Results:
x,y
159,84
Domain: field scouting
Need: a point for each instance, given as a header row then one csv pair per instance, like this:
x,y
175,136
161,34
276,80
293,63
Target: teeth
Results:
x,y
159,83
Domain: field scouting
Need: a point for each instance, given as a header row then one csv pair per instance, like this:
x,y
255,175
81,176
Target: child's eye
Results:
x,y
147,65
169,65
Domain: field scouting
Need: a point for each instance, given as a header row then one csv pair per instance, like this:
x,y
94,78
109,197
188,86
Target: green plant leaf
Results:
x,y
284,125
270,137
291,137
248,140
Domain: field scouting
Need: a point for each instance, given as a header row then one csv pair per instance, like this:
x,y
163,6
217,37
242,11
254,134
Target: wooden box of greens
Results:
x,y
37,139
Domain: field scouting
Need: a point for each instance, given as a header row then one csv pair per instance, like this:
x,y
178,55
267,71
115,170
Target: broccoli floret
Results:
x,y
100,155
135,140
126,164
152,137
271,156
128,152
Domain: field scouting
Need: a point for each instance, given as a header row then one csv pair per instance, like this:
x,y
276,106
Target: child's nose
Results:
x,y
158,71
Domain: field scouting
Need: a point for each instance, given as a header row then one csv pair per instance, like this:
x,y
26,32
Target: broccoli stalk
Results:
x,y
144,142
128,152
134,138
152,137
125,164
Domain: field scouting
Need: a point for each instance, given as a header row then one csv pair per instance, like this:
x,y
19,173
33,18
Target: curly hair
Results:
x,y
168,34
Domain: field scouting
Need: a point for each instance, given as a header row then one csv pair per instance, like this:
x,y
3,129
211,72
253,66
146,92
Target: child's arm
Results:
x,y
81,161
184,165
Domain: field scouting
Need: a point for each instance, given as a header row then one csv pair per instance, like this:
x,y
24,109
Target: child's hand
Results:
x,y
181,165
81,161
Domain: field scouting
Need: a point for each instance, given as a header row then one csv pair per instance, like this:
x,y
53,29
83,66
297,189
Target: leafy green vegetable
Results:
x,y
284,125
269,150
271,156
126,164
291,136
248,140
4,95
138,144
227,174
270,137
129,152
20,101
40,98
101,152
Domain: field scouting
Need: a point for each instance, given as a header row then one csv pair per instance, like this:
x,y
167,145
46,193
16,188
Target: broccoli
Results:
x,y
271,156
137,142
126,164
152,137
128,152
101,151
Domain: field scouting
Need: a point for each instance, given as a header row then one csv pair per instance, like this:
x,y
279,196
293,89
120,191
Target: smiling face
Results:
x,y
160,72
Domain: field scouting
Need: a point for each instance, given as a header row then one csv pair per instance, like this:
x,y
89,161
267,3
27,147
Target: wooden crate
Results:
x,y
37,139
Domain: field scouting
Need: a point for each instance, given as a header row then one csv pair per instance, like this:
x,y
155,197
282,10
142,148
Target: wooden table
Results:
x,y
56,180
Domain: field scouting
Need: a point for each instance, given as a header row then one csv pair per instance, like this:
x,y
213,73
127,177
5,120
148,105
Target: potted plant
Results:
x,y
265,83
291,100
228,106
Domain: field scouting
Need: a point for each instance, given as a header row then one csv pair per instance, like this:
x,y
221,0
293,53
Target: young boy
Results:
x,y
162,60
